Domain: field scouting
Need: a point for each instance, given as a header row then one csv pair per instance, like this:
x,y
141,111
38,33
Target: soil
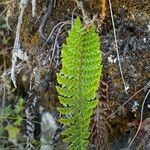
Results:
x,y
132,23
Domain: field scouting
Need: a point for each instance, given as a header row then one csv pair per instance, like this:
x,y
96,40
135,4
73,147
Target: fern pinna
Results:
x,y
79,79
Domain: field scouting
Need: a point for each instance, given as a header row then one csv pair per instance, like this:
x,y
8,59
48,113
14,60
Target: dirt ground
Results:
x,y
132,24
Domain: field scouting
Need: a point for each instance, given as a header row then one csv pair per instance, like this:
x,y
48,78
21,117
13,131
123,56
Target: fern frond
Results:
x,y
79,79
99,129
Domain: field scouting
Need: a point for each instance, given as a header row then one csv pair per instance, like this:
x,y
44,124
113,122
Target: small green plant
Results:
x,y
14,118
17,115
79,79
4,34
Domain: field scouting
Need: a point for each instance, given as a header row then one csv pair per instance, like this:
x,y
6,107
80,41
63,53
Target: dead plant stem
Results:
x,y
116,44
128,100
141,120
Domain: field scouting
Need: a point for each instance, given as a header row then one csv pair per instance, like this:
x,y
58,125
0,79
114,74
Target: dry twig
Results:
x,y
53,32
141,120
120,107
17,51
33,7
117,49
44,20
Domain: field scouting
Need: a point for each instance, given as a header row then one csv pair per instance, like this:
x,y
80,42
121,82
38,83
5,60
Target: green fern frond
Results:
x,y
79,79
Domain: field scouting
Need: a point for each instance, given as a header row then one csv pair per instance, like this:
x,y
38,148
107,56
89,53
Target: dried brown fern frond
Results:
x,y
102,93
99,124
99,131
